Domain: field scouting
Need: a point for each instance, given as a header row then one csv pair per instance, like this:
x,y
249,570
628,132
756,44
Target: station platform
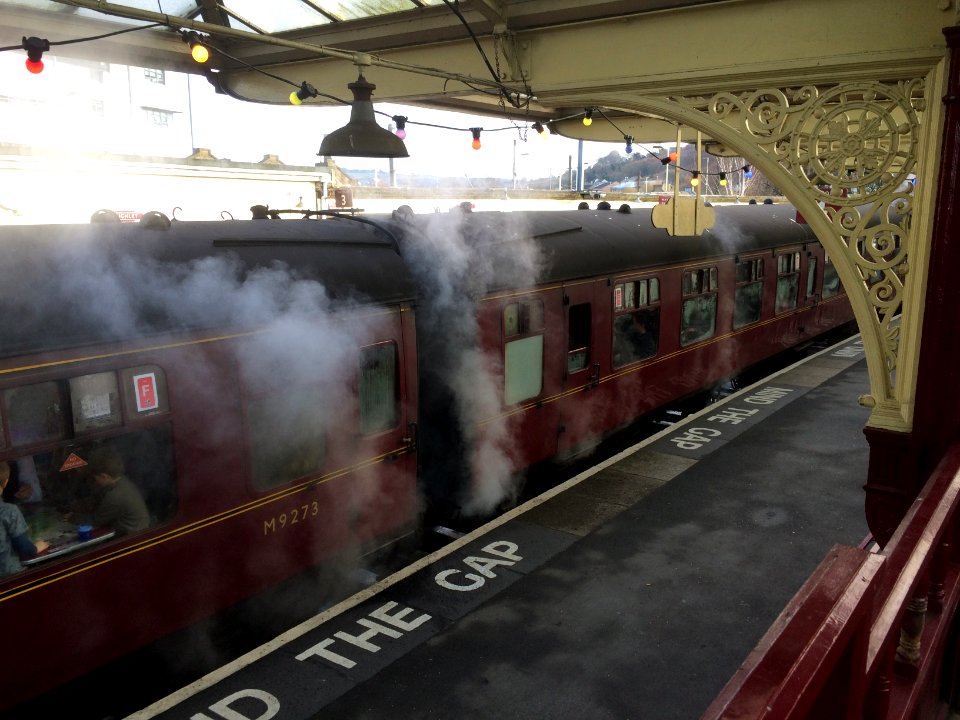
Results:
x,y
633,591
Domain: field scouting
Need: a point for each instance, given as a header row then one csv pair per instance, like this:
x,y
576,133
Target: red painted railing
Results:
x,y
869,636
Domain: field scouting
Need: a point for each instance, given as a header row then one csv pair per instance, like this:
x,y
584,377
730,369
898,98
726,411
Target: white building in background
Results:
x,y
94,107
83,136
43,188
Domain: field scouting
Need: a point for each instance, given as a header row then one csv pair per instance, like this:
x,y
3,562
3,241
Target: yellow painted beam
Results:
x,y
698,49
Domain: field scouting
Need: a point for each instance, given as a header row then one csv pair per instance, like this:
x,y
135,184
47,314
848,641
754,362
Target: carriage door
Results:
x,y
386,405
581,365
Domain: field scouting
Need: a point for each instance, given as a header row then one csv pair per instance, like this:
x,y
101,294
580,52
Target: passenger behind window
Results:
x,y
642,337
14,542
24,475
117,503
635,337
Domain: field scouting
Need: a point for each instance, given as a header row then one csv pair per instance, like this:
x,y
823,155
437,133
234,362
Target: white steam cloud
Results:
x,y
296,364
456,265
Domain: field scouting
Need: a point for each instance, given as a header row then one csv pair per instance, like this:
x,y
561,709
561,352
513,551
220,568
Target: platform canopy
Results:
x,y
473,56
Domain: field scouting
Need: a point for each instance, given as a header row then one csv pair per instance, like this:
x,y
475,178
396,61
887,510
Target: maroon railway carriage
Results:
x,y
558,315
258,379
267,386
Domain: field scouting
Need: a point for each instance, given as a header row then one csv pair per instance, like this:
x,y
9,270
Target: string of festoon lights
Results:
x,y
671,158
200,47
35,46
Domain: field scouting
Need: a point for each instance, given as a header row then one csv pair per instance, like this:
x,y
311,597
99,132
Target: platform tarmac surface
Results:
x,y
633,591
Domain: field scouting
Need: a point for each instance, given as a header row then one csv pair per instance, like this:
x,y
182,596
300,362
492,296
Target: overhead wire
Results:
x,y
87,39
456,11
502,90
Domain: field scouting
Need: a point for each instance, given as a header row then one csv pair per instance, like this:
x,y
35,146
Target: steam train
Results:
x,y
285,391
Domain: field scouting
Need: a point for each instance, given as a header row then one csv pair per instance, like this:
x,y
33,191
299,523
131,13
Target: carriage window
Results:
x,y
811,275
788,281
636,322
748,296
511,320
637,293
145,458
831,280
523,357
698,319
287,436
699,281
531,316
635,336
578,339
379,396
144,391
62,470
523,317
523,369
95,402
48,483
35,413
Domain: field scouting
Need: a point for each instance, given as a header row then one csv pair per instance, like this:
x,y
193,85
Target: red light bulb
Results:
x,y
35,48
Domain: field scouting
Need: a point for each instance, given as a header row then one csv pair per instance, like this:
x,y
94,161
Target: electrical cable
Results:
x,y
87,39
456,11
503,90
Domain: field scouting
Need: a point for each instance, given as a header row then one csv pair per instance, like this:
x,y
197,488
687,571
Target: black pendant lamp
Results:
x,y
362,137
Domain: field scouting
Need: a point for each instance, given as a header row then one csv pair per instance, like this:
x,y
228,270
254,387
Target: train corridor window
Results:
x,y
748,296
831,280
523,325
287,436
698,320
34,413
147,460
95,402
788,281
60,489
54,482
636,320
578,337
379,390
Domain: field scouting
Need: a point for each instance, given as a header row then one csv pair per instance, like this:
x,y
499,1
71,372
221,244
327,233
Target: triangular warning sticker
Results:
x,y
72,462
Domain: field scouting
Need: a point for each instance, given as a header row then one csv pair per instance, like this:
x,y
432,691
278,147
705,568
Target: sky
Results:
x,y
243,131
231,129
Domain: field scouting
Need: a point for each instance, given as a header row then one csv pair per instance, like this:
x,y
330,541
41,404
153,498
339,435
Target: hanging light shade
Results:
x,y
362,137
